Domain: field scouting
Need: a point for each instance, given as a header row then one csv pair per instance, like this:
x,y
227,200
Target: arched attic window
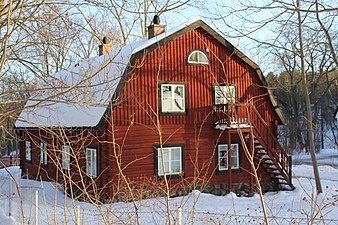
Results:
x,y
198,57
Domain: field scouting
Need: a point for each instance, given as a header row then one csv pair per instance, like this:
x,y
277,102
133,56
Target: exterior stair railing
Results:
x,y
246,116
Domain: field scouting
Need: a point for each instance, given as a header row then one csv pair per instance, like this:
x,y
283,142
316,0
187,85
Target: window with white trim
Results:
x,y
223,156
173,98
65,157
169,161
224,94
198,57
43,153
28,151
91,162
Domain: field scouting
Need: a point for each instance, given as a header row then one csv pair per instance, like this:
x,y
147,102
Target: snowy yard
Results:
x,y
284,207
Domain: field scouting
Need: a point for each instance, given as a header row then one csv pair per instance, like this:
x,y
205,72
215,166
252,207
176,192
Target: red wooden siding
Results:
x,y
135,118
169,64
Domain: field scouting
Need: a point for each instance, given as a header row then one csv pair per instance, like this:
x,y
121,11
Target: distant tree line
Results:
x,y
289,93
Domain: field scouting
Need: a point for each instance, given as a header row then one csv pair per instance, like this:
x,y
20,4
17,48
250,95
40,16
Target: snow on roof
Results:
x,y
79,96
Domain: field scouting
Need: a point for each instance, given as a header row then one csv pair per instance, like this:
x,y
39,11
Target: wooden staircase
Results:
x,y
267,150
282,182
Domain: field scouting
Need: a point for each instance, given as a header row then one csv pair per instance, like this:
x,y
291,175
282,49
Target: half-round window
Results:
x,y
198,57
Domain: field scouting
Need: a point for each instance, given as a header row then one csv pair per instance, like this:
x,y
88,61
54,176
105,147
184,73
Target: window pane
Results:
x,y
176,154
234,155
234,163
162,160
65,154
167,105
179,92
178,105
193,57
166,167
223,160
94,168
230,94
43,153
223,157
91,162
166,91
28,150
202,58
219,95
175,167
159,167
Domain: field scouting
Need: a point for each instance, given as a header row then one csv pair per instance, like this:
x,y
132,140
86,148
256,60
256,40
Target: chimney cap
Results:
x,y
156,19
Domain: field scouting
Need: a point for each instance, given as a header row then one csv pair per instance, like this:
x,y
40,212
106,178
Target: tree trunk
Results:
x,y
308,105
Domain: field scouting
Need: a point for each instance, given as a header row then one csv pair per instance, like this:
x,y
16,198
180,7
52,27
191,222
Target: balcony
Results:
x,y
232,116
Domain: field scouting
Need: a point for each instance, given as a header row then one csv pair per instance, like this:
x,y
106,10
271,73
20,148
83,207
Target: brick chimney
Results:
x,y
106,46
155,27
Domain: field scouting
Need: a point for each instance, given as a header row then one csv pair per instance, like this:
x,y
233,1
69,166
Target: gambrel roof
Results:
x,y
80,97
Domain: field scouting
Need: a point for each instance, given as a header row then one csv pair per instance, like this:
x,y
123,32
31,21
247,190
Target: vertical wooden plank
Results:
x,y
251,149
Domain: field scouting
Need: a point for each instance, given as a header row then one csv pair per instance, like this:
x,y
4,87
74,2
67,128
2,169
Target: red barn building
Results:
x,y
183,107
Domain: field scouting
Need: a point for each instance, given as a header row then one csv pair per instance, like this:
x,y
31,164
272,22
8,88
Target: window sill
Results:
x,y
173,113
238,170
171,176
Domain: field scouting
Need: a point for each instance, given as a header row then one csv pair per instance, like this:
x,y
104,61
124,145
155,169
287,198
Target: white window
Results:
x,y
173,98
28,150
198,57
43,153
223,157
169,160
224,94
91,162
65,157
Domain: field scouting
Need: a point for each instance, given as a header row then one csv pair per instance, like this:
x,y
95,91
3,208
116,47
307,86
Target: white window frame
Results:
x,y
168,151
28,150
200,56
223,155
43,153
173,99
91,162
65,157
224,94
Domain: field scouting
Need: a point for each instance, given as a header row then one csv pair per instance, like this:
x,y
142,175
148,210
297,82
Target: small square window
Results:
x,y
223,156
224,94
173,98
169,161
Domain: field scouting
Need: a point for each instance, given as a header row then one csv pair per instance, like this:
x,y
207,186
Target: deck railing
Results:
x,y
247,116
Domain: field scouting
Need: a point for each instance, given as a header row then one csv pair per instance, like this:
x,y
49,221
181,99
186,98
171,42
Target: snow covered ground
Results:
x,y
284,207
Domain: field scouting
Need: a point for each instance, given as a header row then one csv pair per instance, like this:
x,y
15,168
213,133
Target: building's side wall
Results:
x,y
53,171
139,126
